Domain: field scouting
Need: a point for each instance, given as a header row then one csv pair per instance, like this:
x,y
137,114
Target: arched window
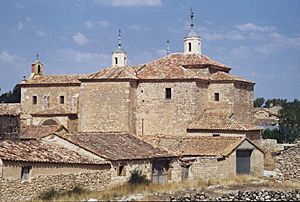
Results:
x,y
49,122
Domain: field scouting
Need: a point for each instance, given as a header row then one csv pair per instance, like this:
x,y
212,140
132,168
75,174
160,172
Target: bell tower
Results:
x,y
37,68
192,41
119,56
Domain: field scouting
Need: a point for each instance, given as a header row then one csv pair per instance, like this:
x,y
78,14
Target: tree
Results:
x,y
274,102
258,102
11,96
289,120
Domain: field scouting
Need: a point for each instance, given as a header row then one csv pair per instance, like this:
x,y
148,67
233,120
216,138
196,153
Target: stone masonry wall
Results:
x,y
104,106
288,164
243,103
158,115
225,91
53,92
13,189
9,126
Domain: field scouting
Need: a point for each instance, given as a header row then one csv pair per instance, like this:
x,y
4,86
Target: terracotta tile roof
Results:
x,y
114,146
36,132
40,151
177,66
223,76
113,73
13,109
196,146
54,79
56,110
212,119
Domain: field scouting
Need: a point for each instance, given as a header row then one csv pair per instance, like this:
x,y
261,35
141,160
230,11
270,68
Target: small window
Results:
x,y
216,135
39,69
116,60
168,93
121,170
34,100
217,97
62,99
25,173
190,47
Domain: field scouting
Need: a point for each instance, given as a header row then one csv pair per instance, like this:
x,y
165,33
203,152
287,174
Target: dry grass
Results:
x,y
269,161
126,189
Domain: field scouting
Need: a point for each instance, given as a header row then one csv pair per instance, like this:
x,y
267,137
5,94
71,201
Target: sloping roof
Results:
x,y
114,146
12,109
36,132
56,110
223,76
54,79
212,119
175,66
113,73
196,146
39,151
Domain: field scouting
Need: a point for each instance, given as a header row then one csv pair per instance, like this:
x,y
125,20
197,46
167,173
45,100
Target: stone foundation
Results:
x,y
16,190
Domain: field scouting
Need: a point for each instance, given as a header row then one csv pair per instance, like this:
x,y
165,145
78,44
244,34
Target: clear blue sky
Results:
x,y
260,40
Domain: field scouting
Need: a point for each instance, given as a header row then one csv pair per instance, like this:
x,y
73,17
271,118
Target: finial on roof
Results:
x,y
192,19
168,47
37,56
119,38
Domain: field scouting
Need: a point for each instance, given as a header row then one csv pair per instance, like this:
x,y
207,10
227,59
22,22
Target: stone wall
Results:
x,y
158,115
45,176
217,167
243,103
288,164
52,91
9,126
145,166
105,106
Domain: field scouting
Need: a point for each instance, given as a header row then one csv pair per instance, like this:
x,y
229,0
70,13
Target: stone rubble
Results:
x,y
264,195
288,164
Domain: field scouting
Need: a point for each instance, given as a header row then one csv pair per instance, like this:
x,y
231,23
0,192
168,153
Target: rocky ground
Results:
x,y
244,192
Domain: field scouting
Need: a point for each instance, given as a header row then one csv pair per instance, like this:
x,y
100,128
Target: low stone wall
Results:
x,y
16,190
293,195
288,164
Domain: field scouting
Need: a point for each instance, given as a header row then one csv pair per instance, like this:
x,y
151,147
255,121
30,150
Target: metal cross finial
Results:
x,y
168,47
119,38
37,56
192,20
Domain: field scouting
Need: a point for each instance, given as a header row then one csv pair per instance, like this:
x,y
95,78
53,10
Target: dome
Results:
x,y
192,33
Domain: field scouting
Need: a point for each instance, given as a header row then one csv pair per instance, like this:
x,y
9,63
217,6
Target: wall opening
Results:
x,y
168,93
61,99
34,100
190,47
243,161
49,122
25,171
217,97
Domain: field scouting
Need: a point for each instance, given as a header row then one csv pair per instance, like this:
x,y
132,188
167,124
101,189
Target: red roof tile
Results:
x,y
36,132
113,73
40,151
12,109
177,66
212,119
223,76
114,146
54,79
196,146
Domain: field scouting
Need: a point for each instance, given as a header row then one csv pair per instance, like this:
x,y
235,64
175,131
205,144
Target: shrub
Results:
x,y
48,195
138,178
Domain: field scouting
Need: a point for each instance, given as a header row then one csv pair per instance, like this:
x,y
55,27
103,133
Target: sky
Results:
x,y
258,39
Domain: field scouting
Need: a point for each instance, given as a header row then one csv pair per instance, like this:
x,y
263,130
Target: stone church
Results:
x,y
180,117
180,94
